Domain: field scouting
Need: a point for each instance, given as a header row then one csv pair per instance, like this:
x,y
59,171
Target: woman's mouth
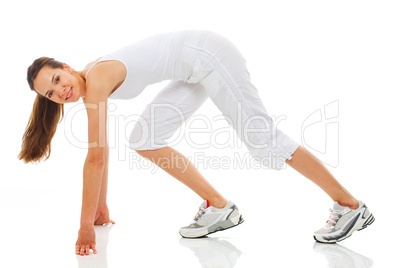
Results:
x,y
70,93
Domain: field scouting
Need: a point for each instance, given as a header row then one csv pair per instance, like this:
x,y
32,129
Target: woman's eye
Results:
x,y
57,79
50,94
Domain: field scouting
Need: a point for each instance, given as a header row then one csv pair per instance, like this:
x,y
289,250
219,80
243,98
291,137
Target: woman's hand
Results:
x,y
85,241
102,216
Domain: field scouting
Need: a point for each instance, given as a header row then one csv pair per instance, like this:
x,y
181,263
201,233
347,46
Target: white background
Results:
x,y
302,55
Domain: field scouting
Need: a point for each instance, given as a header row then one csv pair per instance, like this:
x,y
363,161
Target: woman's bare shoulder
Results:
x,y
106,76
103,78
89,65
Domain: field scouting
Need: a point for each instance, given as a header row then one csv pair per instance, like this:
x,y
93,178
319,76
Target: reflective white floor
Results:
x,y
40,225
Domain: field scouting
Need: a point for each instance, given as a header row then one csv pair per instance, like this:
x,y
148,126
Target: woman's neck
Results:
x,y
82,82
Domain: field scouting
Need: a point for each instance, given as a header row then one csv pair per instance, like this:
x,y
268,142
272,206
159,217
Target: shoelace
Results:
x,y
201,211
333,219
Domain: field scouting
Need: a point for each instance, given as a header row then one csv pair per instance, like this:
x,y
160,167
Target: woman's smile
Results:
x,y
70,93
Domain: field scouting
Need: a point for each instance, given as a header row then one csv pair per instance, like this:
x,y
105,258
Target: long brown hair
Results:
x,y
45,117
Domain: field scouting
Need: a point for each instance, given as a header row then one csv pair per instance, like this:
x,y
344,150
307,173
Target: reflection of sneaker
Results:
x,y
342,222
212,252
209,220
341,257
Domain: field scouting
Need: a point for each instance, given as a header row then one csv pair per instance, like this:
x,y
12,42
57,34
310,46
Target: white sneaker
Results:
x,y
342,222
209,220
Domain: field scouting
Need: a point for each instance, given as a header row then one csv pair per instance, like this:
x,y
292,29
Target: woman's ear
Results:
x,y
67,67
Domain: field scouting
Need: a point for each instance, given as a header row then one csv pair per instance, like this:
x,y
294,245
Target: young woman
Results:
x,y
200,64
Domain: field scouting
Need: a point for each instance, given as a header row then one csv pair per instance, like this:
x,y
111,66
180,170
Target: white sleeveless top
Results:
x,y
168,56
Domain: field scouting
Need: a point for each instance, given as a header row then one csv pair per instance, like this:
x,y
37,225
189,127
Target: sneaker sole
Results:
x,y
369,221
220,226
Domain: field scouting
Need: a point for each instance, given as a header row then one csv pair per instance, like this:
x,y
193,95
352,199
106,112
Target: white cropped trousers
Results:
x,y
218,71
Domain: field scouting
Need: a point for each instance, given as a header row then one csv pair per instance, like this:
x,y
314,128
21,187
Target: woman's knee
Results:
x,y
146,153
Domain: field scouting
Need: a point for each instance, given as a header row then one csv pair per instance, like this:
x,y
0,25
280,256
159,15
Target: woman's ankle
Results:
x,y
217,202
351,203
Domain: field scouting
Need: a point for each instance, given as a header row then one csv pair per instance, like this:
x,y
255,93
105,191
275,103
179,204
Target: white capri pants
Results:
x,y
218,72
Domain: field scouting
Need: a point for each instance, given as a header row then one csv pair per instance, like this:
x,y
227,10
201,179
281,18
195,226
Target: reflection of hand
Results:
x,y
102,217
85,241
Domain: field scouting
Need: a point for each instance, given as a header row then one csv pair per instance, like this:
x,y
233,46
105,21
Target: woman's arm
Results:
x,y
93,173
103,192
103,78
102,212
96,159
94,167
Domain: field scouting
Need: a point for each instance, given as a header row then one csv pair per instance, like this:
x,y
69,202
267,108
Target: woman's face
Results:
x,y
58,85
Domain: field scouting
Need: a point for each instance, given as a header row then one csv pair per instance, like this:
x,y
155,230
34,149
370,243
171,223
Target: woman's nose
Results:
x,y
62,91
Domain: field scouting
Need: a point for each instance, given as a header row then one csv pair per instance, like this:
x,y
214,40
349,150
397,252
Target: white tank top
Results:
x,y
168,56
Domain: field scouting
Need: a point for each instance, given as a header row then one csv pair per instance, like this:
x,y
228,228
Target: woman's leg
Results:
x,y
230,88
309,166
183,170
159,122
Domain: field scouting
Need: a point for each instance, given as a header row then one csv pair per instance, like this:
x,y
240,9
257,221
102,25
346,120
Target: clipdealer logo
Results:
x,y
319,132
